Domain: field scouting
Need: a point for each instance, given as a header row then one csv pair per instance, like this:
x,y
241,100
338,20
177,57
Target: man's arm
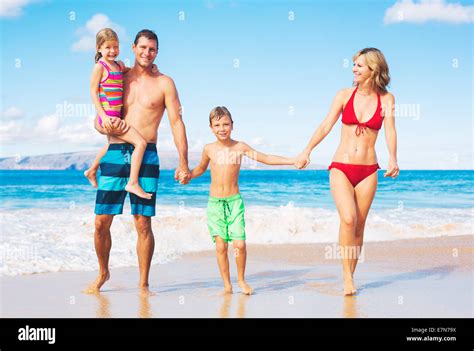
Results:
x,y
266,159
173,106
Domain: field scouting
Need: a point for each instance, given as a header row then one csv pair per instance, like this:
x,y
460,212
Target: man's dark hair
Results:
x,y
149,34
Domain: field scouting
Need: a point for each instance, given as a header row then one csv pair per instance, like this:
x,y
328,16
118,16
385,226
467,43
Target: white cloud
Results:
x,y
12,8
12,113
428,10
47,125
86,41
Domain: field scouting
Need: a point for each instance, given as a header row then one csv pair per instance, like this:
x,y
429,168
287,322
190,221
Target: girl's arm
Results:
x,y
125,69
96,77
323,130
203,164
391,137
266,159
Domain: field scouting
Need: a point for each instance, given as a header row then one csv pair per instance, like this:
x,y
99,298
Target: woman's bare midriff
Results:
x,y
357,150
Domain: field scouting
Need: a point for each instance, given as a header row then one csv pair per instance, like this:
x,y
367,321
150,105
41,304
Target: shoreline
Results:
x,y
289,280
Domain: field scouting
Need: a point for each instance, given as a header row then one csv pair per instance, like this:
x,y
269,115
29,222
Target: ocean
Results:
x,y
47,219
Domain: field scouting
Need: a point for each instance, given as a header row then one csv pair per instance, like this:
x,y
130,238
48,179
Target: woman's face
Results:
x,y
361,71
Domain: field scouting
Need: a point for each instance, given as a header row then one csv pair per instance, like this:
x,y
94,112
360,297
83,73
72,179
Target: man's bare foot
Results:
x,y
146,292
94,288
349,287
246,289
137,190
91,176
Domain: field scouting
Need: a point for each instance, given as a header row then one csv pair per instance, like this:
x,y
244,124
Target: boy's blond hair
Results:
x,y
218,112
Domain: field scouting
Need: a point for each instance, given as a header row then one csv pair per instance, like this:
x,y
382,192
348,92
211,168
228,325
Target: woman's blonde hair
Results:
x,y
101,37
375,60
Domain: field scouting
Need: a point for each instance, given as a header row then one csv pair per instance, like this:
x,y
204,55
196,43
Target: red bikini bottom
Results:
x,y
355,173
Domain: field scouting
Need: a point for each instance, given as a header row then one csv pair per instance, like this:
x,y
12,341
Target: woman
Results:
x,y
353,172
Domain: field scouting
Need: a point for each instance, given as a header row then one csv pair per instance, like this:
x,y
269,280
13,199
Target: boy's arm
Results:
x,y
266,159
202,166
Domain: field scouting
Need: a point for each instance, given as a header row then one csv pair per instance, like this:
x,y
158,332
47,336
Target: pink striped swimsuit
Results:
x,y
111,92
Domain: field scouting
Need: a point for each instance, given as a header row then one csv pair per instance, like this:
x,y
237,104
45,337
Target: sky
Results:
x,y
276,65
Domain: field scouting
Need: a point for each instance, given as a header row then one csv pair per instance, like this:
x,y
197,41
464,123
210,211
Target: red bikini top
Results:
x,y
349,116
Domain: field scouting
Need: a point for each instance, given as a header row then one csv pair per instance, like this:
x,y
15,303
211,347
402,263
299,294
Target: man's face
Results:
x,y
145,51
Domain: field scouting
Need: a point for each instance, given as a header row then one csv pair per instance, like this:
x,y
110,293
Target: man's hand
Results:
x,y
302,160
182,174
118,127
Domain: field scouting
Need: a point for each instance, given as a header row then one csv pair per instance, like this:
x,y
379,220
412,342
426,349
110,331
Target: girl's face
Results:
x,y
361,71
109,50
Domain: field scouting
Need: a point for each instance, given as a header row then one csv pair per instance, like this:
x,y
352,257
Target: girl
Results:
x,y
353,172
107,92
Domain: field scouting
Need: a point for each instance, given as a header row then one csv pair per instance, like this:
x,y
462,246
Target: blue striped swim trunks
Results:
x,y
114,174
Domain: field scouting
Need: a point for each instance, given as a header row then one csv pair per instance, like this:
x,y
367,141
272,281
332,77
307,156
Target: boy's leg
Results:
x,y
240,252
91,173
135,138
223,262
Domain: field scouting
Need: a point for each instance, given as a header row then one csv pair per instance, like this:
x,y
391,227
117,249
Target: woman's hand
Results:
x,y
392,169
302,160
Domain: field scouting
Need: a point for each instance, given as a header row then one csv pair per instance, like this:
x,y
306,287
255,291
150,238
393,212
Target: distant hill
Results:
x,y
82,161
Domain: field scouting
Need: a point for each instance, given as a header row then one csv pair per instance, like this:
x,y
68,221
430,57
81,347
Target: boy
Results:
x,y
225,211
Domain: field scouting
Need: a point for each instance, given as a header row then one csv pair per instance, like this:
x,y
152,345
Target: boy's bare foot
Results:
x,y
137,190
246,289
91,176
94,288
349,287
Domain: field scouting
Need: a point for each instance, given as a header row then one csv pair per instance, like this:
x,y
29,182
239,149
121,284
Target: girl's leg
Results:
x,y
343,194
240,252
223,262
133,137
91,173
364,195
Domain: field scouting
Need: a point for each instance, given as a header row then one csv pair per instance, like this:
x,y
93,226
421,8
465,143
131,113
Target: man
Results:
x,y
146,96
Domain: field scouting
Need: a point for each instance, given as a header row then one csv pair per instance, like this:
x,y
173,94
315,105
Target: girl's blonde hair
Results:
x,y
102,36
376,62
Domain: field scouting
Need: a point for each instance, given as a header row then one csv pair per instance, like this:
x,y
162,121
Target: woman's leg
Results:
x,y
132,136
343,194
364,195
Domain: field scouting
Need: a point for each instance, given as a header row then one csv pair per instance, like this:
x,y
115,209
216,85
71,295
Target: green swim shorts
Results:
x,y
225,217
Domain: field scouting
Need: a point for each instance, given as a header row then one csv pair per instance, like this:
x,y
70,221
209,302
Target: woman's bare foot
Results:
x,y
137,190
246,289
227,289
97,284
146,292
349,287
91,176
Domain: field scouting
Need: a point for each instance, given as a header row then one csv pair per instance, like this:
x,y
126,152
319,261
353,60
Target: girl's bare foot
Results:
x,y
246,289
137,190
97,284
91,176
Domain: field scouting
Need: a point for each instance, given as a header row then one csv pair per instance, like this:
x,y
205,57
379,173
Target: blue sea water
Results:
x,y
309,188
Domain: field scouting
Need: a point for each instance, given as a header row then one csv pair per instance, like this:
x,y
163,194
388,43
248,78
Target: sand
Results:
x,y
413,278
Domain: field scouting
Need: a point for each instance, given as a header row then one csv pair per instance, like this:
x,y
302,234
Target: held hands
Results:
x,y
302,160
183,175
392,169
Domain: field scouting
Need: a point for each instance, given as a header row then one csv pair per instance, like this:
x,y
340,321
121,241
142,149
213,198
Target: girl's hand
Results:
x,y
154,69
392,169
302,160
107,123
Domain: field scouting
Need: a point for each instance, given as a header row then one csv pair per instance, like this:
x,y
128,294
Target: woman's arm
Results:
x,y
202,166
96,77
391,136
266,159
323,130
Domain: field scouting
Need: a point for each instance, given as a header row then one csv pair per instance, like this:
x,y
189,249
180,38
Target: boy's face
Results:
x,y
221,128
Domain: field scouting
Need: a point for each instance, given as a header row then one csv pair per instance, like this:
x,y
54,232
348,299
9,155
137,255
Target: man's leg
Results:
x,y
103,244
145,248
